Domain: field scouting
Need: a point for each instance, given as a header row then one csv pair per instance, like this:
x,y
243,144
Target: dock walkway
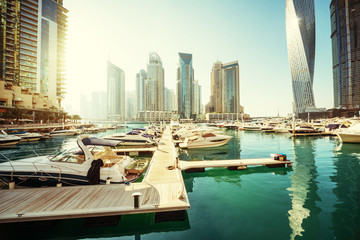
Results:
x,y
162,190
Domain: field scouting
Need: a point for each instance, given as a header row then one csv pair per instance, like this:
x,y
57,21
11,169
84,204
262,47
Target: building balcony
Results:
x,y
31,16
29,10
28,21
33,1
30,5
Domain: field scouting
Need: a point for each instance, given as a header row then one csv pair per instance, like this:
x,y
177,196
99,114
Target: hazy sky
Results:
x,y
252,32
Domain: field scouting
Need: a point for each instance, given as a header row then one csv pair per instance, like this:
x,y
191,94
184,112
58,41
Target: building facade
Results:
x,y
140,93
33,34
155,90
170,100
225,88
116,92
300,36
185,82
345,37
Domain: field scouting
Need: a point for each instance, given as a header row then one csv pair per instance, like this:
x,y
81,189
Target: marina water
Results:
x,y
319,198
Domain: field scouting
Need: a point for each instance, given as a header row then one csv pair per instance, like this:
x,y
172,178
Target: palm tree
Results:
x,y
76,117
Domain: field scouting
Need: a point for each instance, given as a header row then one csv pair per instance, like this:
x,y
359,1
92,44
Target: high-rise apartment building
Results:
x,y
300,35
33,34
140,83
185,82
170,100
196,107
345,19
225,88
116,92
155,90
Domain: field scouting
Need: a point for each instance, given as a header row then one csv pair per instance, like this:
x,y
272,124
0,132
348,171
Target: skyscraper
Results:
x,y
230,87
300,35
155,81
346,58
33,45
185,82
225,88
140,92
116,92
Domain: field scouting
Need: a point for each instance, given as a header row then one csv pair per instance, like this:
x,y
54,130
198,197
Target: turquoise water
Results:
x,y
319,198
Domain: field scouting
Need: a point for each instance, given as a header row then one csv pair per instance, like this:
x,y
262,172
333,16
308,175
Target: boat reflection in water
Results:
x,y
347,191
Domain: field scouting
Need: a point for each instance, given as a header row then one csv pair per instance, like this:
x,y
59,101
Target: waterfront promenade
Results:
x,y
162,190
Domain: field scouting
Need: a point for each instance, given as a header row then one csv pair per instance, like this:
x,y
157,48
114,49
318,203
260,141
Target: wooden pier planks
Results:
x,y
159,192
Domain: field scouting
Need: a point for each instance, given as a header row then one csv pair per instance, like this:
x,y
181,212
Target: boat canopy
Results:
x,y
99,142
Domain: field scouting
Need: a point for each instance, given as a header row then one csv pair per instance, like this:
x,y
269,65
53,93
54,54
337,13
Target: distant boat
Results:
x,y
133,139
64,132
304,129
28,137
205,140
8,140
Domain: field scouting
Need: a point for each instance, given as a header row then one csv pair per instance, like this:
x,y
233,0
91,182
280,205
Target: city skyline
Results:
x,y
256,46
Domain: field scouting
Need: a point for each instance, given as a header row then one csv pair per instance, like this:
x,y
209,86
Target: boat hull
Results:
x,y
9,142
207,145
33,179
349,138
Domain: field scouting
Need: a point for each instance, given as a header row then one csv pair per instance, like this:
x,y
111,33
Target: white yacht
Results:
x,y
71,167
282,129
8,140
204,140
252,127
132,139
27,136
350,135
304,129
64,132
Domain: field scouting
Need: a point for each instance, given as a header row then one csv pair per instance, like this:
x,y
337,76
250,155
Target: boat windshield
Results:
x,y
74,155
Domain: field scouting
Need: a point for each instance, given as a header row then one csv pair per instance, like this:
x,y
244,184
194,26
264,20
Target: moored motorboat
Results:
x,y
72,167
64,132
133,139
8,140
350,135
205,140
27,136
304,129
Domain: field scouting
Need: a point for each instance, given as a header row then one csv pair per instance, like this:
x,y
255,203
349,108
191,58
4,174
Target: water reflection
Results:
x,y
304,212
129,225
232,177
346,216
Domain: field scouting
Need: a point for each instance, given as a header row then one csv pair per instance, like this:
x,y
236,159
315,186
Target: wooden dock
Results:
x,y
162,190
235,164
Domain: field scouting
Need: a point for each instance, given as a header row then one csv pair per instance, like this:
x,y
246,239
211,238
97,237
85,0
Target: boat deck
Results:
x,y
161,190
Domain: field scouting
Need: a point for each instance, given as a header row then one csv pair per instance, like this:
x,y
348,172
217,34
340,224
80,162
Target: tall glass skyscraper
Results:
x,y
345,37
116,92
33,34
185,83
300,35
140,92
155,80
225,88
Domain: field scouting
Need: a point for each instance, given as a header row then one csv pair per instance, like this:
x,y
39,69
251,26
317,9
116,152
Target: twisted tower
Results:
x,y
300,36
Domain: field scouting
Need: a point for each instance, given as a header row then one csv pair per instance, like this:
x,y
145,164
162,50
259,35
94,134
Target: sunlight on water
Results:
x,y
319,198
